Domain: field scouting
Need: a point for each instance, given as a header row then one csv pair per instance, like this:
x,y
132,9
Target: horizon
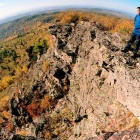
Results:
x,y
65,7
44,9
20,7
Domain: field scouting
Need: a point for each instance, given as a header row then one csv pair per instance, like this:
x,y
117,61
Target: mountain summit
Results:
x,y
82,88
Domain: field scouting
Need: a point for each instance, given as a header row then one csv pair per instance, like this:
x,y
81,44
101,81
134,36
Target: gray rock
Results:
x,y
86,75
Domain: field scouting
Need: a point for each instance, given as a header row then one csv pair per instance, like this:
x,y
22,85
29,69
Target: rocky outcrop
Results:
x,y
98,80
83,87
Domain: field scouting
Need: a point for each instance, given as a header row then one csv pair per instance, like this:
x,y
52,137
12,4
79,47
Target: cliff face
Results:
x,y
83,87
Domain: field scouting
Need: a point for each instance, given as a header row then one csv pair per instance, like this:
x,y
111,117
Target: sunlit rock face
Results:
x,y
88,90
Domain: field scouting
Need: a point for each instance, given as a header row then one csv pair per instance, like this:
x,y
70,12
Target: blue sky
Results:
x,y
13,7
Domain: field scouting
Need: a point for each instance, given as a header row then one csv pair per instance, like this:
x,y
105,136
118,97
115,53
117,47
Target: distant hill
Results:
x,y
16,24
113,12
61,8
24,24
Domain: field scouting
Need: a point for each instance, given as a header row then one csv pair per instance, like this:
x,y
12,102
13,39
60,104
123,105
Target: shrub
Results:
x,y
13,55
46,102
24,69
4,102
8,53
20,70
9,126
41,47
47,135
38,49
6,114
6,81
34,109
124,26
22,132
66,113
111,23
68,17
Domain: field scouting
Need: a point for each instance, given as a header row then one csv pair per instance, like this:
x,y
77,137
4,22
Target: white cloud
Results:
x,y
2,4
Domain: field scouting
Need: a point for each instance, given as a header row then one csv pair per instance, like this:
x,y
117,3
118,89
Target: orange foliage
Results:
x,y
108,22
9,127
24,69
47,135
111,23
34,109
22,132
46,102
69,16
124,26
6,114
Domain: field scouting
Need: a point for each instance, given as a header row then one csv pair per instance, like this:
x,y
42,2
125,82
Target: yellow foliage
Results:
x,y
4,99
22,132
68,17
3,102
45,66
111,23
24,69
1,120
6,114
124,26
6,81
38,24
20,71
49,39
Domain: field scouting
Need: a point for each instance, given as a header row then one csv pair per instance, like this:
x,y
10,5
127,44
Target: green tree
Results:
x,y
14,55
38,49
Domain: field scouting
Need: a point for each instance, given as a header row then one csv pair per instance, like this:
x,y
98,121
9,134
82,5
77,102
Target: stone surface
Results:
x,y
94,88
